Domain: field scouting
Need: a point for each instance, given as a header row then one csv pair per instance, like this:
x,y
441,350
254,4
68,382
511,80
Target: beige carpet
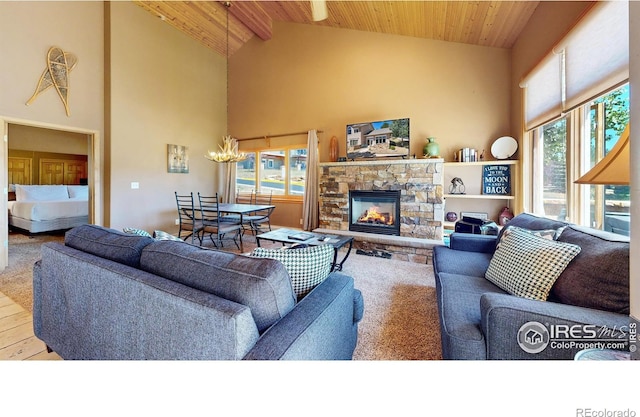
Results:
x,y
400,319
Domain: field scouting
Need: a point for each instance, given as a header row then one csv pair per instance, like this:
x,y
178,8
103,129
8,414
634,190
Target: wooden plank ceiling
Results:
x,y
485,23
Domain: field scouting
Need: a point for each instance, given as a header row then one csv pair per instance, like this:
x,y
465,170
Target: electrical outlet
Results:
x,y
177,221
300,221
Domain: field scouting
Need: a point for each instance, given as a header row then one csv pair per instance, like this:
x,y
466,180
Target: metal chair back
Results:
x,y
189,223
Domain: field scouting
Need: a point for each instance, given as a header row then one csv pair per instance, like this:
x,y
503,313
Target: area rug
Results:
x,y
400,314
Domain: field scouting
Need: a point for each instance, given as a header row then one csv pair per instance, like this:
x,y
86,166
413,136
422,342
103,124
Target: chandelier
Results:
x,y
228,152
229,148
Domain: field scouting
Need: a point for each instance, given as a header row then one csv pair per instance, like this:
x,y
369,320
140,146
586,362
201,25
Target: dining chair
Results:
x,y
260,217
245,197
214,224
242,197
188,221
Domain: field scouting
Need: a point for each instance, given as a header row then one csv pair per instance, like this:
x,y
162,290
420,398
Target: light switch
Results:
x,y
135,185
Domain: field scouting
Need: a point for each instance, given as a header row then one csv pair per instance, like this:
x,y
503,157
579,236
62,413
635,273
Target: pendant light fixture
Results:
x,y
229,149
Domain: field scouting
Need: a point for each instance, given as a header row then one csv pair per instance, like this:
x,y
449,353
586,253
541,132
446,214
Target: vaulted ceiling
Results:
x,y
485,23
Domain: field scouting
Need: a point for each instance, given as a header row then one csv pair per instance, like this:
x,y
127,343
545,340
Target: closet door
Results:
x,y
19,170
51,172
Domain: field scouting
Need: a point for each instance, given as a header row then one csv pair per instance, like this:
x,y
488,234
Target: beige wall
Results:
x,y
309,77
27,31
164,89
31,138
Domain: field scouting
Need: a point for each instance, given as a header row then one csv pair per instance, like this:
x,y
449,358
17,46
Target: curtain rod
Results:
x,y
278,135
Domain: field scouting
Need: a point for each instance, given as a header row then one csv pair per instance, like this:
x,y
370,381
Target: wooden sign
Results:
x,y
496,180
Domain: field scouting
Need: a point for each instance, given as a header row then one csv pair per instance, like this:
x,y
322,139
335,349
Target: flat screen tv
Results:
x,y
385,138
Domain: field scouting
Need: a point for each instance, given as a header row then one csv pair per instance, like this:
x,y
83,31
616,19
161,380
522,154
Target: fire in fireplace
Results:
x,y
375,212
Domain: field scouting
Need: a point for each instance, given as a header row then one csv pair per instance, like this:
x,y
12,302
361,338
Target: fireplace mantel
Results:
x,y
398,161
420,182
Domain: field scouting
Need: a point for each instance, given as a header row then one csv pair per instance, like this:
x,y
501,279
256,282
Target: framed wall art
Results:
x,y
177,159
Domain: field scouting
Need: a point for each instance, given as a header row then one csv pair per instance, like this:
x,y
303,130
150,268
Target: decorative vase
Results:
x,y
431,148
333,149
452,216
504,216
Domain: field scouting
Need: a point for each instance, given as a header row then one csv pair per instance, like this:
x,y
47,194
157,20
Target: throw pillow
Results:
x,y
134,231
307,267
549,234
527,265
160,235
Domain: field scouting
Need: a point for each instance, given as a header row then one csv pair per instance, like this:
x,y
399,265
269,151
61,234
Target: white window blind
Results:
x,y
592,59
597,53
543,92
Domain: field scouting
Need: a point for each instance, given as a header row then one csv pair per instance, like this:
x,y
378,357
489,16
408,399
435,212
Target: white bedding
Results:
x,y
49,210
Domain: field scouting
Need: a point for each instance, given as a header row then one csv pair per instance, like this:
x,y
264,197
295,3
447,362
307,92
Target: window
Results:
x,y
280,171
550,148
597,127
609,205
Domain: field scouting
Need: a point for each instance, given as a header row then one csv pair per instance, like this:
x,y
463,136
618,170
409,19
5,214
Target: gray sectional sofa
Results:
x,y
104,294
587,306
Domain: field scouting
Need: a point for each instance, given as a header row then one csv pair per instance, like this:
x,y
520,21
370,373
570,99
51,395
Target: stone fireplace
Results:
x,y
419,184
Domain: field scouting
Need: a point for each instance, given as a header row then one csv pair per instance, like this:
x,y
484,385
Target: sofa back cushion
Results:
x,y
263,285
106,243
599,276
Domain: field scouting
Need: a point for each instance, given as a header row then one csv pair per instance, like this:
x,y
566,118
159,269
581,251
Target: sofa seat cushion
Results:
x,y
599,276
460,319
263,285
527,265
446,260
124,248
307,266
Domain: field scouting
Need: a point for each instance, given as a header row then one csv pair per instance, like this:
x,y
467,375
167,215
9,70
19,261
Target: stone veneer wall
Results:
x,y
420,182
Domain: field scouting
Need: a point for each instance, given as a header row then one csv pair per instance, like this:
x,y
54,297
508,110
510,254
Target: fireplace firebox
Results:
x,y
375,212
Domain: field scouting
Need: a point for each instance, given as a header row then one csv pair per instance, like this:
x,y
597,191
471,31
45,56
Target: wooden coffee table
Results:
x,y
291,236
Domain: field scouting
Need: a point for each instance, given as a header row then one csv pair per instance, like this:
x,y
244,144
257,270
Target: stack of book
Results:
x,y
467,155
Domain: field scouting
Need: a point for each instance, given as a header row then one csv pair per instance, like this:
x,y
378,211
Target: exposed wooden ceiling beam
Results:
x,y
253,16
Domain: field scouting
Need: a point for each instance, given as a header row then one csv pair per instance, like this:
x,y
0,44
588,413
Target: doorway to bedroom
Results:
x,y
47,147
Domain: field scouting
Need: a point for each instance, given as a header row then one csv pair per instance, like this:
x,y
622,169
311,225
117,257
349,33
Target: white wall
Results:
x,y
634,52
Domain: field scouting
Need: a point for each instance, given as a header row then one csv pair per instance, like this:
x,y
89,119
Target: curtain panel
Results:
x,y
310,214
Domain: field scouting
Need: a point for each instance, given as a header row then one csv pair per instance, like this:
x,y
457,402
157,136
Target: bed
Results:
x,y
45,208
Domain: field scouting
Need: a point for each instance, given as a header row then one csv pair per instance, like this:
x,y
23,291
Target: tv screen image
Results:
x,y
385,138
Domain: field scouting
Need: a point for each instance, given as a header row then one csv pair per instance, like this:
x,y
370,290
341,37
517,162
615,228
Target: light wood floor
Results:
x,y
17,341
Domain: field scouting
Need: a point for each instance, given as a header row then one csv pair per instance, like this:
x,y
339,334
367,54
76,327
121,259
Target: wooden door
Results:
x,y
51,172
74,171
19,170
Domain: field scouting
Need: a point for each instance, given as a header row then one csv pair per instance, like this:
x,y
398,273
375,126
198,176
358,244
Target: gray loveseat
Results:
x,y
110,295
587,305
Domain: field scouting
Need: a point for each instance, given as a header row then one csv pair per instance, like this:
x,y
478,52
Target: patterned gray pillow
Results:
x,y
134,231
527,265
160,235
307,267
549,234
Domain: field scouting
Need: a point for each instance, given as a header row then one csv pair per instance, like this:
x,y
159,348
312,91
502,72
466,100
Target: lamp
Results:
x,y
613,169
319,10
